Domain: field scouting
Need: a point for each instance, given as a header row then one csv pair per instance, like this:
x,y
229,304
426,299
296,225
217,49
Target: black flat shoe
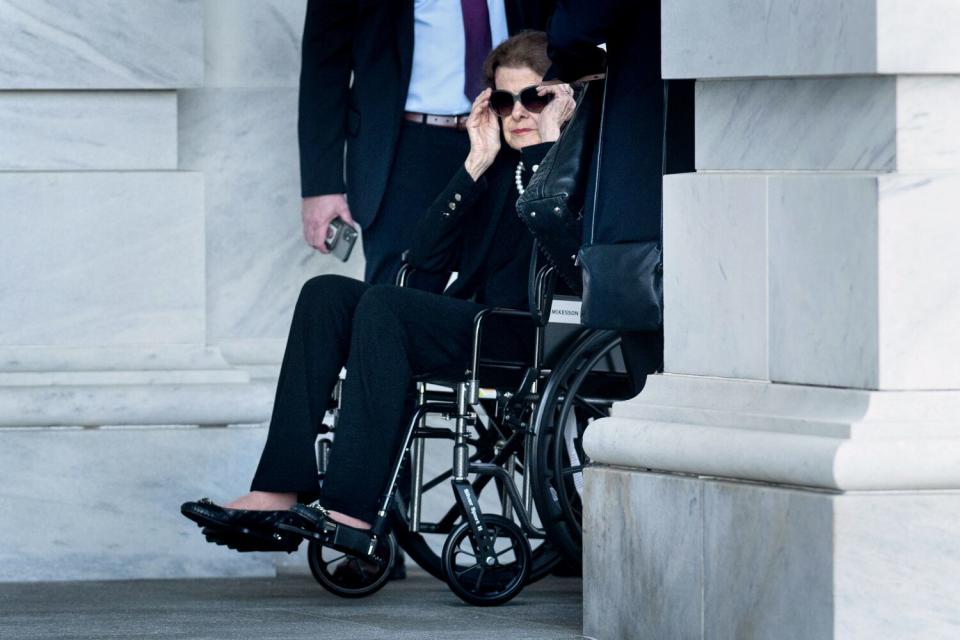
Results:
x,y
240,529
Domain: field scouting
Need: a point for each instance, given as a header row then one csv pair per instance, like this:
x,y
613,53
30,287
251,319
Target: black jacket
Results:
x,y
479,235
373,41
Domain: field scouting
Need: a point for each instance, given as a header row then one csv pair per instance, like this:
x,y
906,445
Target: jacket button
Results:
x,y
452,205
457,197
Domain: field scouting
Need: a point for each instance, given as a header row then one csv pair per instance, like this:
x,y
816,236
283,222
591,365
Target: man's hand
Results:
x,y
318,212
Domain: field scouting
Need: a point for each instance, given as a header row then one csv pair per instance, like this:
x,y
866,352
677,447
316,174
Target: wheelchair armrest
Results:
x,y
544,284
403,275
479,322
541,282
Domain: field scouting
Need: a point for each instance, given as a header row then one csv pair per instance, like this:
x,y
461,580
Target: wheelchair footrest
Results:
x,y
250,540
335,535
349,539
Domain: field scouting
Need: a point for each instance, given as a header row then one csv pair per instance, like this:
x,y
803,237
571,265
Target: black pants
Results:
x,y
426,159
385,336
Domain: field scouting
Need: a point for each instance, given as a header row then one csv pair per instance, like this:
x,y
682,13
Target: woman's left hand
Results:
x,y
557,112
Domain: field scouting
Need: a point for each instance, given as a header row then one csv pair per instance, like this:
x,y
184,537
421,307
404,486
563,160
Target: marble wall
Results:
x,y
116,258
239,130
100,44
152,252
837,279
88,130
787,38
104,503
874,123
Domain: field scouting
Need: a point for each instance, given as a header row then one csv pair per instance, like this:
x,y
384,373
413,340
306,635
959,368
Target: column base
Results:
x,y
680,556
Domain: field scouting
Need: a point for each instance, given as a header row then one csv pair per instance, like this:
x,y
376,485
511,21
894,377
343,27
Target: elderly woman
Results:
x,y
385,335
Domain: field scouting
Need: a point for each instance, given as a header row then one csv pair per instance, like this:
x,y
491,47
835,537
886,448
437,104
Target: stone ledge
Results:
x,y
144,404
107,358
843,440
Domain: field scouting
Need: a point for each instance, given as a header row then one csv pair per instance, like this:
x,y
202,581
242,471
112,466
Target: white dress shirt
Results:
x,y
439,49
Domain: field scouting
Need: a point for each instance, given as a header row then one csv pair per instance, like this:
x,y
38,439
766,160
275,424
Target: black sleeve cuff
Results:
x,y
462,193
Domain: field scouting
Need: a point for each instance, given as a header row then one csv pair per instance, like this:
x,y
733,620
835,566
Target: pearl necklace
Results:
x,y
517,176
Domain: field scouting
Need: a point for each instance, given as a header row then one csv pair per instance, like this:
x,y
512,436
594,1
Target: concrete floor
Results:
x,y
288,607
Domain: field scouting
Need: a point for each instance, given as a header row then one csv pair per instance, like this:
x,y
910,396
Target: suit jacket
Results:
x,y
630,184
473,229
373,41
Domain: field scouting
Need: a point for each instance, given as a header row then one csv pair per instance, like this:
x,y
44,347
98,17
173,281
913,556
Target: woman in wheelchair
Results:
x,y
387,336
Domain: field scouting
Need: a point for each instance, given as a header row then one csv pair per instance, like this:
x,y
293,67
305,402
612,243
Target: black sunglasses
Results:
x,y
501,102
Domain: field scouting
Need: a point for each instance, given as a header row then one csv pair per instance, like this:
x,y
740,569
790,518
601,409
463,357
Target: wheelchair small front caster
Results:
x,y
487,581
351,575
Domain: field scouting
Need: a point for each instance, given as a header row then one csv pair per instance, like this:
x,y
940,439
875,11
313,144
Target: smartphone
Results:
x,y
340,239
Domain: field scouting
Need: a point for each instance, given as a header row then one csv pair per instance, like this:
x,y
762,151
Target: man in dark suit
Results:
x,y
393,81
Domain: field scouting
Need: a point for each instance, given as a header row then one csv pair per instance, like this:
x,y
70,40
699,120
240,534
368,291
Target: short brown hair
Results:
x,y
526,49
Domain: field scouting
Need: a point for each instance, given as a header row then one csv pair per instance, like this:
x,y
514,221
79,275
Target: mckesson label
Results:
x,y
565,311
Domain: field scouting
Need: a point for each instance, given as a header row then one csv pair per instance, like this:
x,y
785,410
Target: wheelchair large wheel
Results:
x,y
348,575
486,582
581,389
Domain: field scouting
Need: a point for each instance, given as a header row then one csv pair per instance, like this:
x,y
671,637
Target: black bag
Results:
x,y
552,204
622,286
623,283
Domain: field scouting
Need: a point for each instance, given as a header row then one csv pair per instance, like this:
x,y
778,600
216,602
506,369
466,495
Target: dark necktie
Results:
x,y
476,31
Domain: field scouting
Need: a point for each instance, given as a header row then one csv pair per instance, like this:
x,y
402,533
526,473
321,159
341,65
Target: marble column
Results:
x,y
795,472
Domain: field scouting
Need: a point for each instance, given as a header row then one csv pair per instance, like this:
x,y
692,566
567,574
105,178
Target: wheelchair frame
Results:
x,y
463,406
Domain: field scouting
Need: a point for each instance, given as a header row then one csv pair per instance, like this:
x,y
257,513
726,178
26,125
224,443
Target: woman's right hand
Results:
x,y
484,131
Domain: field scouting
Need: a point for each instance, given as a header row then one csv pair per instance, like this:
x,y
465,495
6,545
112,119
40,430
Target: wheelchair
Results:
x,y
512,422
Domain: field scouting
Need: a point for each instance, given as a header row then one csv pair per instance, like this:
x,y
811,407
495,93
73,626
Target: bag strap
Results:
x,y
663,156
663,151
596,183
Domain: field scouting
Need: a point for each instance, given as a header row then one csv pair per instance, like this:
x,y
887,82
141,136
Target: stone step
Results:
x,y
183,402
104,503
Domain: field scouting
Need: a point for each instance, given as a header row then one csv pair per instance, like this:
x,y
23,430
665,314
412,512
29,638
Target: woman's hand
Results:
x,y
557,112
484,132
